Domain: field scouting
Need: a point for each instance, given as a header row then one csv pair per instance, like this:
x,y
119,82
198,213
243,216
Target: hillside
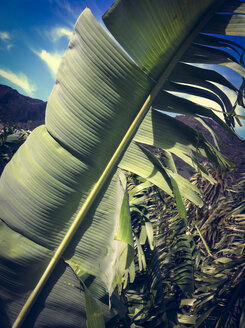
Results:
x,y
230,146
17,108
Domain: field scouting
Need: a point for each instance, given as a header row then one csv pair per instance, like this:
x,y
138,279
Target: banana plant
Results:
x,y
66,239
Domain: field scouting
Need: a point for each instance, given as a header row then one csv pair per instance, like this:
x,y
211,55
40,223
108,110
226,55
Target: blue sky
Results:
x,y
33,37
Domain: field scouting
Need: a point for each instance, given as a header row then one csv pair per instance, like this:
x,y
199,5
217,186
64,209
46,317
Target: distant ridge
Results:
x,y
17,108
230,145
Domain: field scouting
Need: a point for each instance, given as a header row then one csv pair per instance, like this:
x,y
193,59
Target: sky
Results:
x,y
34,35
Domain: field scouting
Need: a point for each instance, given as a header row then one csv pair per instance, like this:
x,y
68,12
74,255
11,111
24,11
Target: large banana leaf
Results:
x,y
63,199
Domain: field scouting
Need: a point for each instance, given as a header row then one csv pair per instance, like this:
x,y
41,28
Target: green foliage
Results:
x,y
65,214
194,277
10,140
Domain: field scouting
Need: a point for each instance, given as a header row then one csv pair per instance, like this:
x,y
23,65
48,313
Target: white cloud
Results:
x,y
20,80
4,36
65,6
59,32
52,60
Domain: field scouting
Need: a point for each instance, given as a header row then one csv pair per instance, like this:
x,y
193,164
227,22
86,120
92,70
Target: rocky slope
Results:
x,y
230,145
16,108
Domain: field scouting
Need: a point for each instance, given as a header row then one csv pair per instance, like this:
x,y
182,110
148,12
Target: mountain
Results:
x,y
17,108
230,145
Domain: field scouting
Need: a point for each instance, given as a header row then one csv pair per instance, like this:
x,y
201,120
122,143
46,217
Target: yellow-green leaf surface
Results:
x,y
22,263
124,229
227,24
94,312
156,128
167,23
135,160
150,234
234,6
96,96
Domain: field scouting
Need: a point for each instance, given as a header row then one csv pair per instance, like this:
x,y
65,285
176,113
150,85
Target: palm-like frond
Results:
x,y
205,252
221,226
203,49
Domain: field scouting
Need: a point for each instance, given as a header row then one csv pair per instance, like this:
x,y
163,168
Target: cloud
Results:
x,y
52,60
20,80
4,36
67,8
59,32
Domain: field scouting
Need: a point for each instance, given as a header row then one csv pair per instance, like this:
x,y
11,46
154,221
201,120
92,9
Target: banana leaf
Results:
x,y
64,210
